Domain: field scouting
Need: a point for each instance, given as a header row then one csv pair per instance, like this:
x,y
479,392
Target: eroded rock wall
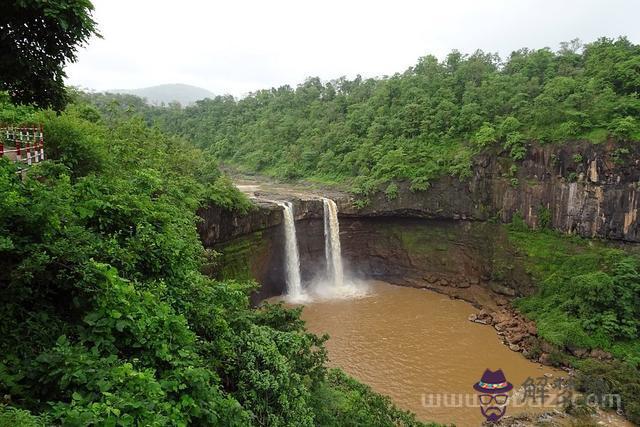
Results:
x,y
582,188
406,251
250,246
434,253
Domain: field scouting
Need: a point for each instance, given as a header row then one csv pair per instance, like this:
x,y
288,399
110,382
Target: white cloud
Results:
x,y
243,45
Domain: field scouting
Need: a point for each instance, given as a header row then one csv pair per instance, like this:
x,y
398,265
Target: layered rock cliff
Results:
x,y
582,188
251,245
447,235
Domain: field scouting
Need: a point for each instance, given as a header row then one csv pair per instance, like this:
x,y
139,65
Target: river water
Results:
x,y
407,343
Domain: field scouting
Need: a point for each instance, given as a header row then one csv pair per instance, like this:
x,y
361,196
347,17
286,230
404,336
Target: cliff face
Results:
x,y
446,236
590,190
251,246
434,253
220,225
407,251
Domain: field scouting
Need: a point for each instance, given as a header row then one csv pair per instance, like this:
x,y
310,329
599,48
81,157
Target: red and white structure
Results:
x,y
22,144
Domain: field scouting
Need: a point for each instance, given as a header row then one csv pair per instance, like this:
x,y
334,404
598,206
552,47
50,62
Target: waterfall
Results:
x,y
332,250
292,257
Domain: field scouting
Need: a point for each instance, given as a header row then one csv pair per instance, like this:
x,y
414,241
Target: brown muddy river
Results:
x,y
408,343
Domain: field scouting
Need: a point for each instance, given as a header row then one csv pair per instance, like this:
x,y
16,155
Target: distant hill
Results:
x,y
184,94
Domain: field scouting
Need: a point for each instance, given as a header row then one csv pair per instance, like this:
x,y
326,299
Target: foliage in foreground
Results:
x,y
417,125
343,401
105,318
37,39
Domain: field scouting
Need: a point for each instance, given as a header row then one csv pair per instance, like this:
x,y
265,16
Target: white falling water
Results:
x,y
292,257
333,253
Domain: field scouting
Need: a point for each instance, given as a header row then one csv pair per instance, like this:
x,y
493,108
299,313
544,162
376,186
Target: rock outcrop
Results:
x,y
251,245
220,225
591,190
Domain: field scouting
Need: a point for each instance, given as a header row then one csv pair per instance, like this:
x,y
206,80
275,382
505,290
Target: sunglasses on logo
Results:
x,y
500,399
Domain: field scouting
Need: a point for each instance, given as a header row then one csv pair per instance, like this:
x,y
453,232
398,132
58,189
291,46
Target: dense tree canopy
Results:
x,y
37,38
428,121
105,317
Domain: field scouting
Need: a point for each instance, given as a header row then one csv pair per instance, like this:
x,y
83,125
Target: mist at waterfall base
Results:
x,y
322,288
332,282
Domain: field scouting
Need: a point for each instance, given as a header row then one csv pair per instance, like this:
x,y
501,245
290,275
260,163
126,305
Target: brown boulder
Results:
x,y
517,338
546,347
475,319
579,352
502,326
600,354
501,301
462,284
442,282
501,317
502,289
430,279
545,359
483,315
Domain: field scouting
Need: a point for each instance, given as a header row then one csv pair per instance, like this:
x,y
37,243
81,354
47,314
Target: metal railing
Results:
x,y
22,144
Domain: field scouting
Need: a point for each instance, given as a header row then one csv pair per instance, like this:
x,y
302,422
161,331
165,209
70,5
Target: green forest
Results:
x,y
105,317
417,125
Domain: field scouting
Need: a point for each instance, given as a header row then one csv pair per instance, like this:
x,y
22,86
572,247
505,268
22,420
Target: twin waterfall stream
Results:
x,y
333,255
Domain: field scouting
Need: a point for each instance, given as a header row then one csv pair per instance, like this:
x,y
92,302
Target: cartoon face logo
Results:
x,y
493,391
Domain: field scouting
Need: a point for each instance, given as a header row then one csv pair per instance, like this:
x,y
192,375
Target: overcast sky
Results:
x,y
239,46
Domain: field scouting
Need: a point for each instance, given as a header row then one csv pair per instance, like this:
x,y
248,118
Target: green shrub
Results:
x,y
624,127
619,155
14,417
518,223
486,135
544,217
360,203
392,191
343,401
587,294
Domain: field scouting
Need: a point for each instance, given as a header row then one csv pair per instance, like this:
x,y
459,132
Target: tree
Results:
x,y
37,38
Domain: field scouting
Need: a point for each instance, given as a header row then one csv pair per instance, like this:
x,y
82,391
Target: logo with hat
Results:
x,y
494,394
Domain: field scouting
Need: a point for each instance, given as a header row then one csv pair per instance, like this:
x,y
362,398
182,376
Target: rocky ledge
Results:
x,y
220,225
582,415
578,187
521,335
